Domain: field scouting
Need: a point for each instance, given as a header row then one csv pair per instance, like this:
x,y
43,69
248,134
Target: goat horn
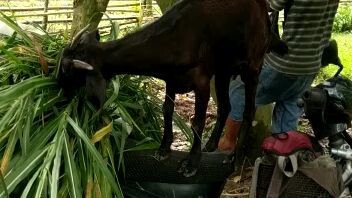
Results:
x,y
78,35
82,65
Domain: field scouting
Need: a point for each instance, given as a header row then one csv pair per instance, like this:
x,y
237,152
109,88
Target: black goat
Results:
x,y
193,41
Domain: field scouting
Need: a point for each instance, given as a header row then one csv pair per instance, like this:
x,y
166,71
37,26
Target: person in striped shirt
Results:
x,y
283,79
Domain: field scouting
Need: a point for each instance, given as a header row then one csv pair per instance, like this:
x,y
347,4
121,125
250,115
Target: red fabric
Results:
x,y
286,143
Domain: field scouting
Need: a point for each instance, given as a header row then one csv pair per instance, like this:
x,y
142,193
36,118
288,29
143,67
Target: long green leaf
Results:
x,y
9,151
3,184
27,128
30,184
97,157
15,91
22,170
43,177
147,143
71,171
57,161
7,20
115,93
10,115
42,136
127,117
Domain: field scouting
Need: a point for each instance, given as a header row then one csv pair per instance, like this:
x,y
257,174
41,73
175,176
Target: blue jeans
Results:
x,y
273,86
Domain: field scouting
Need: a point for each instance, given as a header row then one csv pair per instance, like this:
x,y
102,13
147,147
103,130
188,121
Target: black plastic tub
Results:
x,y
145,176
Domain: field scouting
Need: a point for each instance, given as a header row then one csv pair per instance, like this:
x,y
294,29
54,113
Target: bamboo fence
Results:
x,y
124,12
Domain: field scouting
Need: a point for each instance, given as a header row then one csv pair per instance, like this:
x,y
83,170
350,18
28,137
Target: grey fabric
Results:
x,y
324,172
275,183
253,190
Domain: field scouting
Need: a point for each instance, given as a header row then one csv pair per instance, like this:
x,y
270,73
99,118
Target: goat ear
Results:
x,y
78,36
82,65
95,89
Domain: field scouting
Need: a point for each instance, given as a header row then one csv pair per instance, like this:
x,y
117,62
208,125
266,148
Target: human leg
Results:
x,y
228,141
236,93
233,123
286,111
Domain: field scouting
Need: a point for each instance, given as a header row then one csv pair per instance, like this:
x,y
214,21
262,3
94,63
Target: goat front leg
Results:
x,y
190,165
223,108
168,110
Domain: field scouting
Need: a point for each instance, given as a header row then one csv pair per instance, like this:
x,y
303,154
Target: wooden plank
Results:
x,y
70,20
64,12
19,9
43,14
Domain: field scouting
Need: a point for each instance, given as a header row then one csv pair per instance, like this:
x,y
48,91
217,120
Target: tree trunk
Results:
x,y
260,130
251,149
87,12
165,4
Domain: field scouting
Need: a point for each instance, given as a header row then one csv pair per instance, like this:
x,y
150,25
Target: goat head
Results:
x,y
78,69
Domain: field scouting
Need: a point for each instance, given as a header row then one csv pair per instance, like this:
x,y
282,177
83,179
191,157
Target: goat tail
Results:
x,y
276,44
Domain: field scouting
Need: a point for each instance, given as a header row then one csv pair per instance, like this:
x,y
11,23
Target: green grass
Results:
x,y
345,51
344,42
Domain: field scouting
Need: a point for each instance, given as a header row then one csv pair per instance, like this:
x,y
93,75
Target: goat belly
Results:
x,y
185,81
180,88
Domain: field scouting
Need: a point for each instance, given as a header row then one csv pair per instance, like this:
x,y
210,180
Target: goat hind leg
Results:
x,y
190,165
223,108
168,109
250,79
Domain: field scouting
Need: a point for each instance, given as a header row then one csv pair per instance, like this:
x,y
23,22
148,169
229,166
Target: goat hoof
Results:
x,y
209,147
189,172
182,167
229,158
162,154
186,169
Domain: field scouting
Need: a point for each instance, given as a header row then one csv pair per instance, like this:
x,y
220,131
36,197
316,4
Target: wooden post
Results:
x,y
146,11
45,17
149,8
260,130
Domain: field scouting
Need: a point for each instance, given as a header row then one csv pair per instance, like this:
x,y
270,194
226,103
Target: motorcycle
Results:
x,y
328,108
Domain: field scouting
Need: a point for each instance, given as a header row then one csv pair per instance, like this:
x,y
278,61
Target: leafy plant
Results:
x,y
343,19
54,146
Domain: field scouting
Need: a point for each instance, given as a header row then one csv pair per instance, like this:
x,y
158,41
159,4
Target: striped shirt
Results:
x,y
307,31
